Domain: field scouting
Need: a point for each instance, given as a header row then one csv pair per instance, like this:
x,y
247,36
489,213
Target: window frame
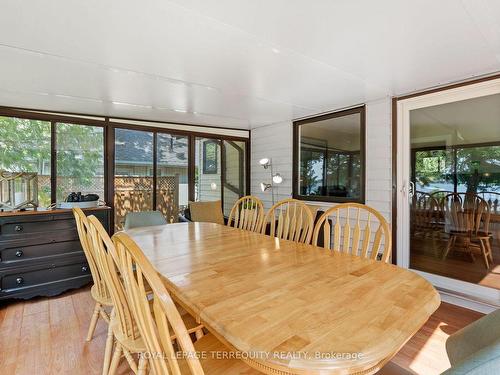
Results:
x,y
109,125
361,110
206,169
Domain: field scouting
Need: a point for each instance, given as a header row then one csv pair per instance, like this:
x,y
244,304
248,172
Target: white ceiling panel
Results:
x,y
236,63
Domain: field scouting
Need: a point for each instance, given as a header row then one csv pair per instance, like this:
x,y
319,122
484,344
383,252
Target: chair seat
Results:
x,y
211,364
98,298
132,345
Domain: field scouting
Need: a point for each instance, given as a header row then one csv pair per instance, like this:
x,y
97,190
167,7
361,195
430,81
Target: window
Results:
x,y
80,160
25,147
208,178
172,189
133,173
233,153
137,168
329,157
210,157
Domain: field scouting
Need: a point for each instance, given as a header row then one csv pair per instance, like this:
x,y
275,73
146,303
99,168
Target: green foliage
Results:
x,y
478,168
25,146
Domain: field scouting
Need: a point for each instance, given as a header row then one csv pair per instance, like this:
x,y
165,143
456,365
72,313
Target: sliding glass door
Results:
x,y
234,178
449,184
133,180
172,192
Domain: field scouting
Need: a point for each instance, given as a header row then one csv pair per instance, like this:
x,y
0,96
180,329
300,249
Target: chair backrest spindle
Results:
x,y
373,239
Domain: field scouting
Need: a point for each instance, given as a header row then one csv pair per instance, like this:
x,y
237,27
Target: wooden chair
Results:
x,y
161,322
425,215
290,219
144,219
357,229
247,213
99,290
126,335
467,218
208,212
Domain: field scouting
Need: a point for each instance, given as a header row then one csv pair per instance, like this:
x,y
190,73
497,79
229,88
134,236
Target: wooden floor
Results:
x,y
47,336
426,255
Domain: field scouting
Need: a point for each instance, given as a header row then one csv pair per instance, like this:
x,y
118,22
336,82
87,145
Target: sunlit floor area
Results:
x,y
47,336
427,255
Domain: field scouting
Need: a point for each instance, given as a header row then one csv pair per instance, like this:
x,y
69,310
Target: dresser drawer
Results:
x,y
16,281
25,229
19,255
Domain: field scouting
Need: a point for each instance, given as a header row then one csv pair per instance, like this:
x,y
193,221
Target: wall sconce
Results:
x,y
264,186
276,178
266,163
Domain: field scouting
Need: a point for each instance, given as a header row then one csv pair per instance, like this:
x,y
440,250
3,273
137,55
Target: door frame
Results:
x,y
401,176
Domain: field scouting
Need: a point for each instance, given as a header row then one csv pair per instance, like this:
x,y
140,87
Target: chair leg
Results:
x,y
130,360
108,350
484,253
116,359
93,321
451,243
199,333
143,365
488,248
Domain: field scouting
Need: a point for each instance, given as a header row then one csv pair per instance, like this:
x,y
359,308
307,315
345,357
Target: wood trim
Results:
x,y
14,112
61,115
110,173
191,167
394,213
53,162
295,156
156,129
155,171
450,86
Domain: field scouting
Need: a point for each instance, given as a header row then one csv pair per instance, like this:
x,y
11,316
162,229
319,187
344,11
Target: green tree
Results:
x,y
25,147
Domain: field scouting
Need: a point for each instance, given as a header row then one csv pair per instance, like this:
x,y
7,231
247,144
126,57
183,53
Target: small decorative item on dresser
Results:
x,y
18,190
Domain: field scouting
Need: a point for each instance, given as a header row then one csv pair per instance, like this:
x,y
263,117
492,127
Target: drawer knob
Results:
x,y
18,228
19,280
19,253
85,269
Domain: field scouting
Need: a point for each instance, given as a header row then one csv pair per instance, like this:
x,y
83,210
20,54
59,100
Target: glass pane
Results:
x,y
330,158
133,173
25,147
172,175
234,181
207,184
80,160
455,150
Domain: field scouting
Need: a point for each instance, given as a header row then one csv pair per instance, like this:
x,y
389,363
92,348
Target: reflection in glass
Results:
x,y
330,158
80,160
455,211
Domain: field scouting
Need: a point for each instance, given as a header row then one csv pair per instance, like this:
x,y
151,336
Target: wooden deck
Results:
x,y
47,336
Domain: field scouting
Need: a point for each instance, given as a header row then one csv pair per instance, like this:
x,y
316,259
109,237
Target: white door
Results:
x,y
449,146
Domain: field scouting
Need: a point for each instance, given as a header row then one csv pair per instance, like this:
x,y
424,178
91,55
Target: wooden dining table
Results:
x,y
285,307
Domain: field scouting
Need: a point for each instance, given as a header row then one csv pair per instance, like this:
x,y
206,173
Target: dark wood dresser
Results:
x,y
40,252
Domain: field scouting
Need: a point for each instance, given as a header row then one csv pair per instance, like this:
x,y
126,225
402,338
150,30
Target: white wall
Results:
x,y
275,141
